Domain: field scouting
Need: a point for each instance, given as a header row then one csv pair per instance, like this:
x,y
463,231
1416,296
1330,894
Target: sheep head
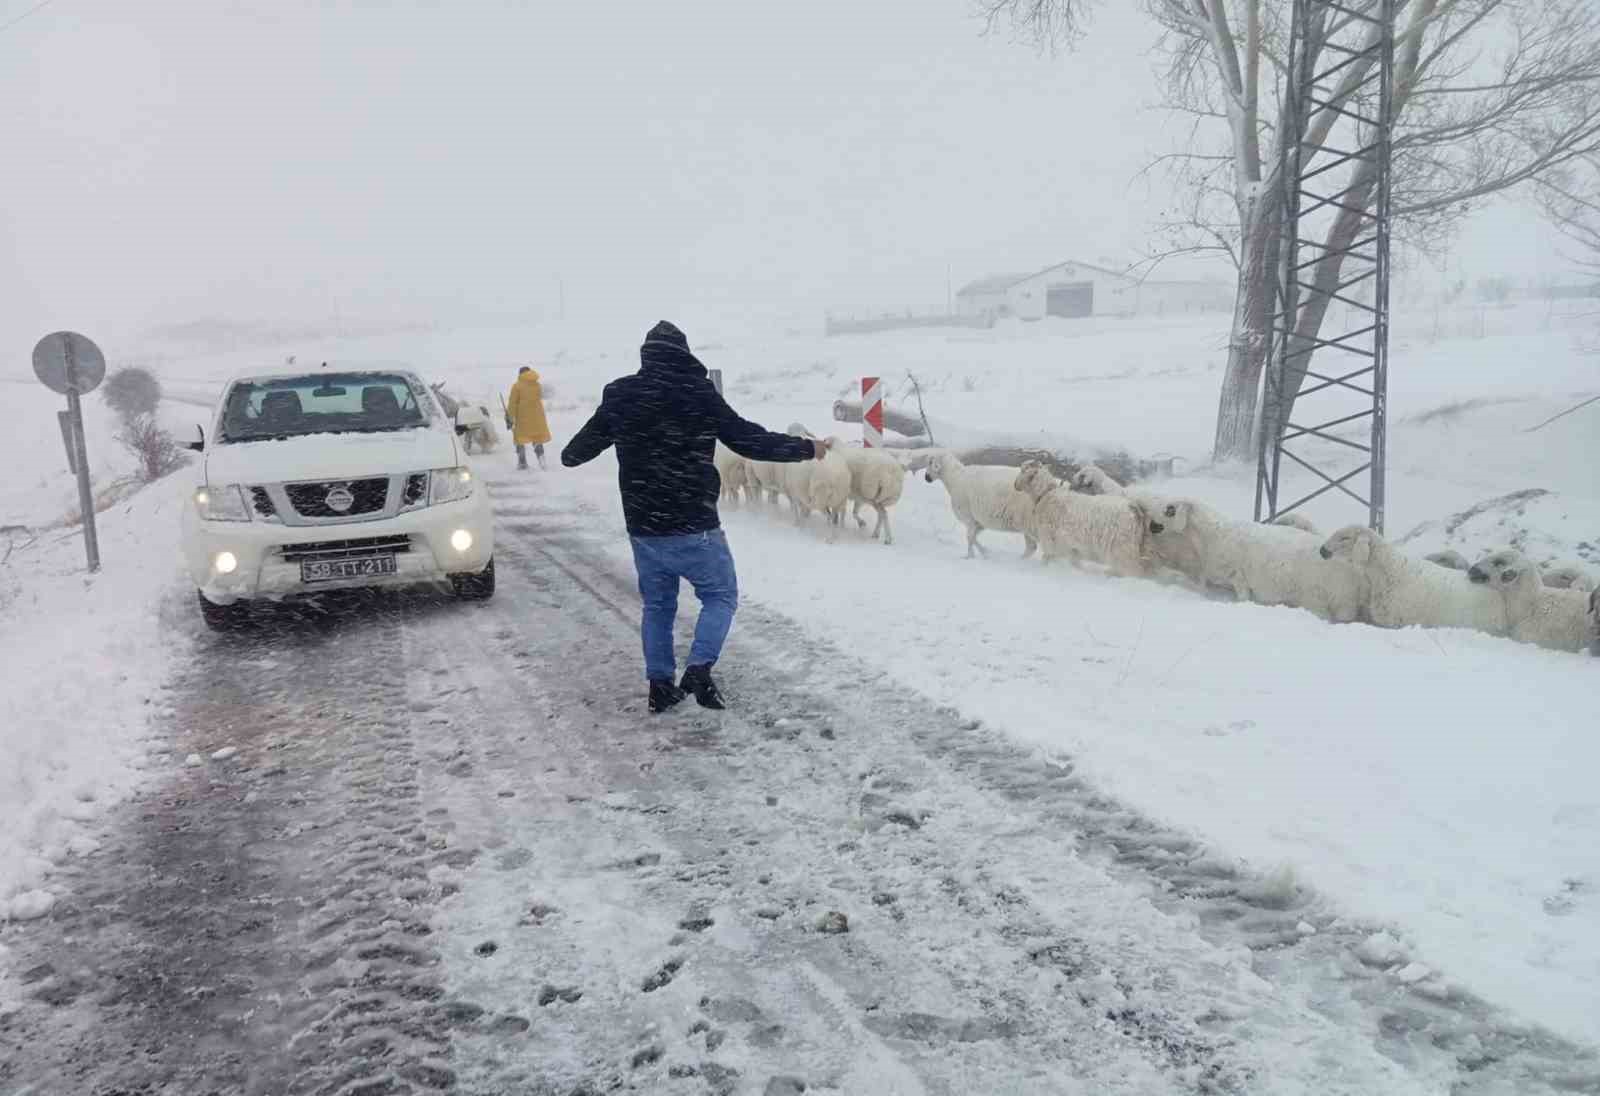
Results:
x,y
933,471
1504,569
1163,515
1087,480
1567,576
1034,479
1353,543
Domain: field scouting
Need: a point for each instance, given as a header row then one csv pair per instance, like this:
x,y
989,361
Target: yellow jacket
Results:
x,y
525,408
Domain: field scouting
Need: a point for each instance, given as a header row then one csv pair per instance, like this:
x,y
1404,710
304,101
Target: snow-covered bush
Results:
x,y
131,391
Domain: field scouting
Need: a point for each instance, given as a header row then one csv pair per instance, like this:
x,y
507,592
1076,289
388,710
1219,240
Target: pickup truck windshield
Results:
x,y
321,403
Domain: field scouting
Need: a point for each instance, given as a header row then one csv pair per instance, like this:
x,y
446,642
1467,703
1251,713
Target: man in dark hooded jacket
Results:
x,y
665,421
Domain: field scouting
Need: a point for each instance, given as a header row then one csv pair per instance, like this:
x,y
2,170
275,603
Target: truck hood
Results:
x,y
330,456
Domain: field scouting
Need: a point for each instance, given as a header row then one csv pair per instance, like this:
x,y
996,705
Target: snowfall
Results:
x,y
1437,786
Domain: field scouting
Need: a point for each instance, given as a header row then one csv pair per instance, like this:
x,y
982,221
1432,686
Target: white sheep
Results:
x,y
1594,624
1450,558
1403,591
1091,479
1535,613
828,487
1560,575
876,479
1296,521
983,497
733,470
1106,529
1267,564
764,480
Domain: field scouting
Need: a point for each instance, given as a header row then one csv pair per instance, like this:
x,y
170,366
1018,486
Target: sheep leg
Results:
x,y
883,523
861,522
972,539
1032,543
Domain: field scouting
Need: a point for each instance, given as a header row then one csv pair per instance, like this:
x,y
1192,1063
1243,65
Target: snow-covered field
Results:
x,y
1438,784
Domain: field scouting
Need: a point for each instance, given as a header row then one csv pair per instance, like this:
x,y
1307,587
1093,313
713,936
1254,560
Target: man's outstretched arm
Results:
x,y
595,438
758,443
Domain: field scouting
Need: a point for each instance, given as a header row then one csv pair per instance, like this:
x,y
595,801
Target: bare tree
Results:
x,y
1571,199
154,448
1487,95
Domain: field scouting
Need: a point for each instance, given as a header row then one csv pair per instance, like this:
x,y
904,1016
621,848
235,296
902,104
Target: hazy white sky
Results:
x,y
294,160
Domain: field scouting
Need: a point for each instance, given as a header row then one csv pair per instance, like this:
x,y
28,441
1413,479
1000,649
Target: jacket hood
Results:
x,y
667,349
530,375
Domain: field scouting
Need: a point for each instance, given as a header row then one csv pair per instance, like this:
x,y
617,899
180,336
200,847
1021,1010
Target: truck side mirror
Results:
x,y
198,441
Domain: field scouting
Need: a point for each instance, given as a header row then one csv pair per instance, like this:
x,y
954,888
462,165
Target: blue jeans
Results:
x,y
703,559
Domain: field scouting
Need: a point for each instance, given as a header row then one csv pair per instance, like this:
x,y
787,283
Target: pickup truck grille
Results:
x,y
310,500
343,549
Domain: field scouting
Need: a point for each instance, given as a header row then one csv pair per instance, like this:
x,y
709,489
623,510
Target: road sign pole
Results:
x,y
64,420
71,364
80,451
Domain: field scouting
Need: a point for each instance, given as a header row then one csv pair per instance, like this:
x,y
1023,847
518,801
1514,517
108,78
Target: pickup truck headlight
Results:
x,y
449,485
222,503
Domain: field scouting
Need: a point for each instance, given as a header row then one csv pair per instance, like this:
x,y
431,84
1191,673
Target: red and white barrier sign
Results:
x,y
871,413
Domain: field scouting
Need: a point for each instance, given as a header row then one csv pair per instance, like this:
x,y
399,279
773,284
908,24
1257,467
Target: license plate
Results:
x,y
318,570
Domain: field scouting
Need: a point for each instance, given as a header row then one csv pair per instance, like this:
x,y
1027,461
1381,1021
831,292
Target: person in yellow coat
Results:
x,y
525,417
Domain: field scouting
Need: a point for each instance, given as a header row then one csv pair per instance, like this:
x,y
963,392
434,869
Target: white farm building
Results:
x,y
1083,289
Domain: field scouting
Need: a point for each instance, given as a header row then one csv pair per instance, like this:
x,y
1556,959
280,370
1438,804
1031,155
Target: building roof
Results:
x,y
1087,266
994,283
999,283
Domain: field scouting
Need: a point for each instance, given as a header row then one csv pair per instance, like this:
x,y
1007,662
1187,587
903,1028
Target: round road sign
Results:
x,y
67,361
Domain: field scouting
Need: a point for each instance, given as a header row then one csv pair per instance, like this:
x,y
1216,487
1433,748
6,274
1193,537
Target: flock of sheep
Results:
x,y
867,477
1354,575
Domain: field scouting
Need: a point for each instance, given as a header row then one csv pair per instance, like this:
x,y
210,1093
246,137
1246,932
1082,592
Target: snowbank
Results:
x,y
83,655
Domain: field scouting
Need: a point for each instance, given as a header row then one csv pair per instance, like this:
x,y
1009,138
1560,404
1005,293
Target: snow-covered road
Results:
x,y
451,852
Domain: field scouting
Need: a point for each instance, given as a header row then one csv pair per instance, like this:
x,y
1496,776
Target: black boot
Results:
x,y
697,680
664,695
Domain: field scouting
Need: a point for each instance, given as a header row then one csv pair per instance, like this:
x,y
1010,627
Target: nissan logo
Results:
x,y
340,499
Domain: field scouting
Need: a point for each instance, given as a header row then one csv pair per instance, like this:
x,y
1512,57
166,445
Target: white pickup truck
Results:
x,y
328,480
